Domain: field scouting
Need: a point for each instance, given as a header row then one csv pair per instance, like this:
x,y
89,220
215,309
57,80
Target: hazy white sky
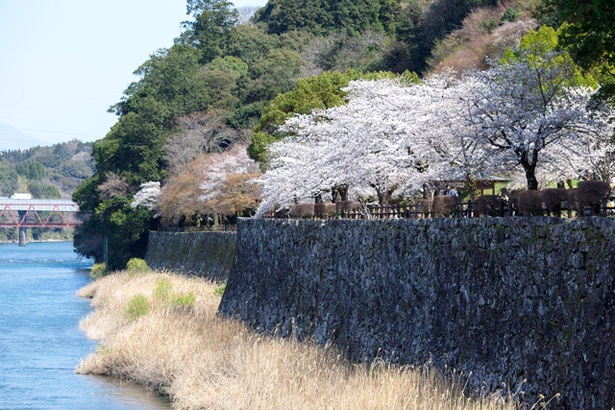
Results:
x,y
63,63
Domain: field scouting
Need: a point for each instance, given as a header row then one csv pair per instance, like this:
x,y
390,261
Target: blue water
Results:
x,y
40,341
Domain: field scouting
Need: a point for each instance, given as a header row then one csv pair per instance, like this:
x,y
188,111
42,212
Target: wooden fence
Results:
x,y
206,228
470,209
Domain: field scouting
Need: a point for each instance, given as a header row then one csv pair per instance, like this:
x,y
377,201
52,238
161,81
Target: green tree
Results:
x,y
116,227
133,146
31,169
132,150
8,179
275,73
323,17
286,15
173,78
229,64
539,49
251,42
210,31
39,189
173,83
589,34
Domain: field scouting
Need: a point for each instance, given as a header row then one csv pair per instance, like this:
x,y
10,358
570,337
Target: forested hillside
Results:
x,y
46,172
201,121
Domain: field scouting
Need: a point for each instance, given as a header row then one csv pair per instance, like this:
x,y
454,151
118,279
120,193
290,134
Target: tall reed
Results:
x,y
206,362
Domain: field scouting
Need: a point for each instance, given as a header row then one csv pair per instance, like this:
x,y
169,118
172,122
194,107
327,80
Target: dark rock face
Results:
x,y
507,299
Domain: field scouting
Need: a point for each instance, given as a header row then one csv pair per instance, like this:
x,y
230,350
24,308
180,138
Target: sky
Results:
x,y
63,63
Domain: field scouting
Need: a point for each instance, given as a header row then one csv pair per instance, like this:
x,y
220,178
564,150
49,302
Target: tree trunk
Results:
x,y
384,196
530,169
343,190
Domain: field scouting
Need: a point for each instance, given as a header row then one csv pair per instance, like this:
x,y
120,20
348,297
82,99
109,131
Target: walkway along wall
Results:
x,y
204,254
508,299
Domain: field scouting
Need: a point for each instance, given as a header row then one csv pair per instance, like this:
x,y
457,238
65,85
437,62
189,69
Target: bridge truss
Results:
x,y
38,213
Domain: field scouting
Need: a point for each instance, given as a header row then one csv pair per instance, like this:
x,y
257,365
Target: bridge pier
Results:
x,y
22,230
22,237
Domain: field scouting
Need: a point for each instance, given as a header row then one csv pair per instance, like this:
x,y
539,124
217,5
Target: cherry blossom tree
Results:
x,y
228,185
393,137
530,105
593,154
148,196
374,145
179,196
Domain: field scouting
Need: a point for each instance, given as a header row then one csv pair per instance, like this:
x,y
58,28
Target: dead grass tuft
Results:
x,y
202,361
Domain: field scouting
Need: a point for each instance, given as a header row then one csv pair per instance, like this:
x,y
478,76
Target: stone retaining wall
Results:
x,y
204,254
507,299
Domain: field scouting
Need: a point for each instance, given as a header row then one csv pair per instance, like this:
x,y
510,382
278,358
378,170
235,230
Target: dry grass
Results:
x,y
205,362
481,36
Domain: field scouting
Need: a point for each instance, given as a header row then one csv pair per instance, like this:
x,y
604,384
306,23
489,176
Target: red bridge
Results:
x,y
27,213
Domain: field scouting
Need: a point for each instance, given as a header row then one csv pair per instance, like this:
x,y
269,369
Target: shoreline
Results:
x,y
162,331
38,241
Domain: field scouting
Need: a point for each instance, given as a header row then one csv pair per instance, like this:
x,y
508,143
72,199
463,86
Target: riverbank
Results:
x,y
161,330
36,235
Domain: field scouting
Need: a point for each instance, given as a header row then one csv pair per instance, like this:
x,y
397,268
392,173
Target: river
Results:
x,y
40,340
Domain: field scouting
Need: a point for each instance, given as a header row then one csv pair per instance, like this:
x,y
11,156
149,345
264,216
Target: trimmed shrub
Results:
x,y
444,206
282,213
490,205
422,208
323,210
302,210
346,207
553,199
592,194
530,203
319,210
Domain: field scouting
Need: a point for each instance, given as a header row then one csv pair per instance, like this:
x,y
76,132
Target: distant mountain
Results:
x,y
13,139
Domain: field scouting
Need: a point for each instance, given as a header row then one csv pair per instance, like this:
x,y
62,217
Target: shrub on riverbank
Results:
x,y
204,361
136,264
98,270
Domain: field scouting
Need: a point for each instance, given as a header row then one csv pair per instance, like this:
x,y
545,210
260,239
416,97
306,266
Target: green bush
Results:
x,y
183,300
137,264
98,271
137,306
164,290
511,14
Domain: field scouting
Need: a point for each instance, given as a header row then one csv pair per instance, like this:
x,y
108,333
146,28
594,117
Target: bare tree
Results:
x,y
114,185
199,132
245,13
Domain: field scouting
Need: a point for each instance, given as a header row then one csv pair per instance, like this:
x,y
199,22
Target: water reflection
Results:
x,y
120,394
